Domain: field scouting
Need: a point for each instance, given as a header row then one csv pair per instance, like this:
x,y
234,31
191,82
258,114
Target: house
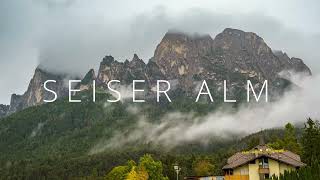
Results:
x,y
204,178
259,163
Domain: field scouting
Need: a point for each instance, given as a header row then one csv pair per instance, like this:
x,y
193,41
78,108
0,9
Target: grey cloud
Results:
x,y
73,36
75,46
177,128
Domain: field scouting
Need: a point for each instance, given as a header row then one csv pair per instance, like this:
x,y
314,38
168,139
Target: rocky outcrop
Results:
x,y
3,110
127,71
233,55
232,50
87,81
36,93
180,55
294,64
247,52
16,103
110,69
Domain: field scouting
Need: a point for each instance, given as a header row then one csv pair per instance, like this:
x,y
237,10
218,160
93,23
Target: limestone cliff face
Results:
x,y
36,93
87,81
246,51
127,71
293,63
153,73
110,69
180,55
16,103
3,110
233,55
232,50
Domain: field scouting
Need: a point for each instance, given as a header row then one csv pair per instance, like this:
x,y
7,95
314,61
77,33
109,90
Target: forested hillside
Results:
x,y
56,140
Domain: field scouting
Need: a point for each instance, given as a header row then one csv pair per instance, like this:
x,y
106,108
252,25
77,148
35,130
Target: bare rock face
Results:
x,y
86,82
135,68
110,69
293,63
233,55
36,93
3,110
127,71
16,103
232,50
153,73
247,52
180,55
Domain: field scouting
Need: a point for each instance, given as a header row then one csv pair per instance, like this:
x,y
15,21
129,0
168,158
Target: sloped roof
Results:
x,y
284,156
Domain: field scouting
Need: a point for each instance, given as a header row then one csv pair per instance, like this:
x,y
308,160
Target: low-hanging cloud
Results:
x,y
177,128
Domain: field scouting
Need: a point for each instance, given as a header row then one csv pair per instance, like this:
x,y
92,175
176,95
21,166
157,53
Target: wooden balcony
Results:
x,y
264,169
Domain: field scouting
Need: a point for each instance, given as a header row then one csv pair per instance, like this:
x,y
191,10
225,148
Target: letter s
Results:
x,y
49,90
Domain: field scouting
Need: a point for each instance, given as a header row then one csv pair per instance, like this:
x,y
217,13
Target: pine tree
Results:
x,y
289,141
310,142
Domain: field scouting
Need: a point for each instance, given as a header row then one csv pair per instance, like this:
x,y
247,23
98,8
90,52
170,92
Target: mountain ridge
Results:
x,y
186,59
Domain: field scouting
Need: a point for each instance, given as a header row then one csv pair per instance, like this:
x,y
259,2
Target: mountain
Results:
x,y
185,60
63,140
124,71
35,93
86,82
4,109
293,63
233,55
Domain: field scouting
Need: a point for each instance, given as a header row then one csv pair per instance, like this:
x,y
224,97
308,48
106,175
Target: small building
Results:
x,y
204,178
259,163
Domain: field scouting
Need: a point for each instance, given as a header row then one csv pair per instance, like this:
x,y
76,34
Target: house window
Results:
x,y
266,176
264,162
229,172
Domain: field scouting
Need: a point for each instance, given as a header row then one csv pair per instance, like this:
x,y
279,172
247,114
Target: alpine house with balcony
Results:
x,y
259,163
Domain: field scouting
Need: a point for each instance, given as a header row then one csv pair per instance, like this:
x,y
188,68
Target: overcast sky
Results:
x,y
73,35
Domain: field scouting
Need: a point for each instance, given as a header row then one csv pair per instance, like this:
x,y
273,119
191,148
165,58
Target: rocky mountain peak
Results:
x,y
86,82
89,77
231,53
182,44
178,35
281,54
295,64
107,60
248,52
179,54
123,71
238,40
135,57
136,62
35,93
